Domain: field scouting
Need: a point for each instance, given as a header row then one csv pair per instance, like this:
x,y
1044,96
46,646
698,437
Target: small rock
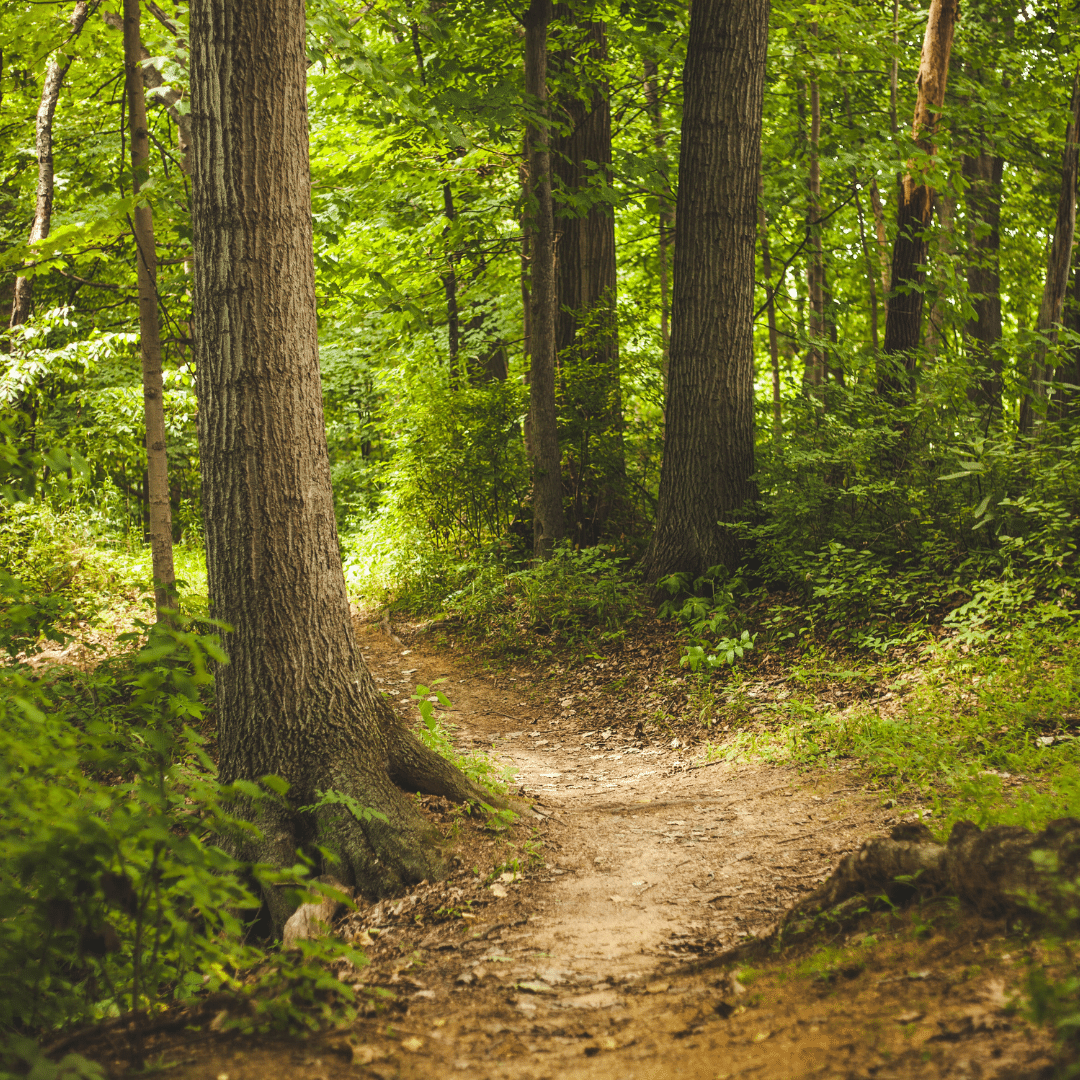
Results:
x,y
498,891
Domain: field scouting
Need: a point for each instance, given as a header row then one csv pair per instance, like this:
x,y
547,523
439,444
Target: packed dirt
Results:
x,y
584,943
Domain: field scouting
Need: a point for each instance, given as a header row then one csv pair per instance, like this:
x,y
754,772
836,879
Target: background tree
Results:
x,y
549,525
56,69
157,467
709,446
586,327
915,207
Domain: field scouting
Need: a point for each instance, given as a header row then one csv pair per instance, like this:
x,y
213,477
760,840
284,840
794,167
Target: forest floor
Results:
x,y
580,943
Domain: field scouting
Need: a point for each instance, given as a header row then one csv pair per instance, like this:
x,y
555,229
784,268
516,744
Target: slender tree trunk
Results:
x,y
1039,372
548,523
903,324
152,80
709,443
935,329
157,467
586,330
882,238
450,287
1069,395
983,173
296,699
666,220
526,293
815,356
770,309
55,70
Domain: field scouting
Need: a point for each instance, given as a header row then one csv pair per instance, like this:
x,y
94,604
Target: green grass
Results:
x,y
991,737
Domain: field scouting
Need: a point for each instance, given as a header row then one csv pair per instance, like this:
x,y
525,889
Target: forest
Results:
x,y
705,375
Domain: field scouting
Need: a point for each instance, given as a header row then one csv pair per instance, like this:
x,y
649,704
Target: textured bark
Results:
x,y
903,324
549,526
882,238
983,173
55,71
709,443
296,699
1040,373
157,467
586,332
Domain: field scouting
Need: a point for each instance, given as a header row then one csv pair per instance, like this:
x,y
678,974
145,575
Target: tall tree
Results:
x,y
296,700
983,173
915,209
157,467
549,525
55,70
1058,262
815,270
709,441
586,332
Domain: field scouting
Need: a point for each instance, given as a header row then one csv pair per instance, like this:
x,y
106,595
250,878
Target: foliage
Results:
x,y
986,736
119,892
575,596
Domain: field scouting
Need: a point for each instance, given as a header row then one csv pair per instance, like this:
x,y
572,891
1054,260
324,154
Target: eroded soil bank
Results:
x,y
589,959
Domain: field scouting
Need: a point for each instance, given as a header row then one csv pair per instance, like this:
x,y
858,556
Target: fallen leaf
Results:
x,y
908,1017
616,899
761,1036
412,1044
658,987
534,987
498,891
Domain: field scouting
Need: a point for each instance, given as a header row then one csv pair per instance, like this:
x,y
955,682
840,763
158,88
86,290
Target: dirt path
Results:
x,y
579,966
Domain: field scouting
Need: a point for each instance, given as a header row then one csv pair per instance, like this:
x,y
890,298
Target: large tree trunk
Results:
x,y
55,71
549,526
1040,374
903,324
983,173
709,444
296,699
157,466
586,332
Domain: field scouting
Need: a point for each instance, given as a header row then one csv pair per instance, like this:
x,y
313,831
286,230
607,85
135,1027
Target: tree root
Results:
x,y
994,873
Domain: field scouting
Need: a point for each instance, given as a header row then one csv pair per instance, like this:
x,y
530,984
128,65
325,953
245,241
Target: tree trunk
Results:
x,y
586,332
903,324
296,699
55,71
709,444
814,373
770,310
157,466
666,223
983,173
450,287
548,523
935,329
152,80
1040,374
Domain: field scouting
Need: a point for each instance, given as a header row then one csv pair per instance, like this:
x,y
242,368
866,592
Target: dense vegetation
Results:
x,y
924,498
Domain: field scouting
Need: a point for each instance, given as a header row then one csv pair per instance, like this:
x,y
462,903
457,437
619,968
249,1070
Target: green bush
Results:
x,y
118,892
572,597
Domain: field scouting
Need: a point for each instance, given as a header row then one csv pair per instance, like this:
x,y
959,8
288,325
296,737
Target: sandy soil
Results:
x,y
592,959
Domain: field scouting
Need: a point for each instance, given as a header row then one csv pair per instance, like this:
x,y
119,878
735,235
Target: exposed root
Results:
x,y
994,873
